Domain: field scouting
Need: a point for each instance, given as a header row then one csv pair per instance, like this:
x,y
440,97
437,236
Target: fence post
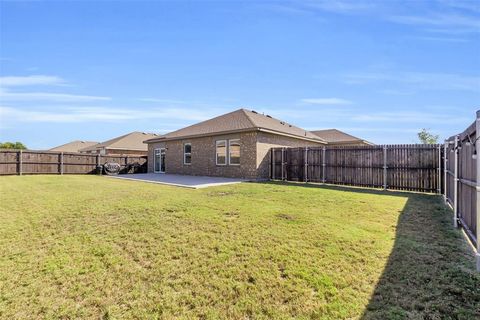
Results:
x,y
20,162
306,164
283,164
439,188
477,182
324,165
455,184
60,167
385,167
272,173
445,160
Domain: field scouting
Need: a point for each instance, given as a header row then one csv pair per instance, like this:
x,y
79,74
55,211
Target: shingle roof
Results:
x,y
337,136
130,141
74,146
239,120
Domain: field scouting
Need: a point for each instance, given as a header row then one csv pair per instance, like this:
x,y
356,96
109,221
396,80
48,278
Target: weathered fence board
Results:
x,y
398,167
46,162
461,189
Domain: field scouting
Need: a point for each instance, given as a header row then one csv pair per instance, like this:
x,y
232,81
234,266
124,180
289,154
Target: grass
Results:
x,y
92,247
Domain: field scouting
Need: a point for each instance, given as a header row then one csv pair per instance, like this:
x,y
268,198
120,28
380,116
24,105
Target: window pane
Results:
x,y
157,161
221,152
188,158
234,159
188,148
221,159
234,150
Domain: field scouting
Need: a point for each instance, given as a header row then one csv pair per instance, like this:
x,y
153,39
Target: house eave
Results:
x,y
164,139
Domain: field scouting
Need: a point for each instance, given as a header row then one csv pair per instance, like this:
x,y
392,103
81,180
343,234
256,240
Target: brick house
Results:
x,y
74,146
127,144
336,137
235,144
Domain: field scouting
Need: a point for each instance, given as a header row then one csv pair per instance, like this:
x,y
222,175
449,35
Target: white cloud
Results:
x,y
338,6
441,20
409,117
431,81
11,81
333,116
172,101
334,6
100,114
48,96
326,101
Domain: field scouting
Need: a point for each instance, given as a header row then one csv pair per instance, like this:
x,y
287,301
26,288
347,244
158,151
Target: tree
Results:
x,y
426,137
12,145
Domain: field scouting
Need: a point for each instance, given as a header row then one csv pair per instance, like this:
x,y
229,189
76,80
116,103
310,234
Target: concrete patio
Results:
x,y
194,182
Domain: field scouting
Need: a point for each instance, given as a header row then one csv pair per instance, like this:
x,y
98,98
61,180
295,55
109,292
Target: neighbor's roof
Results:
x,y
238,121
129,141
340,137
74,146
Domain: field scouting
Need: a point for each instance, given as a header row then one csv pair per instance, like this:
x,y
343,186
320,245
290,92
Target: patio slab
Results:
x,y
194,182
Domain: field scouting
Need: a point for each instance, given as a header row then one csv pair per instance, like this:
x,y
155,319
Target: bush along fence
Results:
x,y
413,167
47,162
462,178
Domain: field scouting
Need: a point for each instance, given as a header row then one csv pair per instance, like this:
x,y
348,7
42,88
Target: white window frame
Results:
x,y
229,153
187,153
216,153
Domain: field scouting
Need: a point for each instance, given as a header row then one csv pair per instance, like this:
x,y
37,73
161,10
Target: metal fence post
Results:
x,y
445,160
306,164
477,182
385,167
455,184
324,165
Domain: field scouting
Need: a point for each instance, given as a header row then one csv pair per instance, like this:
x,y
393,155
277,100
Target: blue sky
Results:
x,y
94,70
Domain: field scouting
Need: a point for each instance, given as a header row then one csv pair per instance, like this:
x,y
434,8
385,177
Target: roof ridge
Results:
x,y
245,112
202,122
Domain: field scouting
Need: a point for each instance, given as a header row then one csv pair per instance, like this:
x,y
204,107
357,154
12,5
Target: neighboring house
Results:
x,y
74,146
336,137
128,144
235,144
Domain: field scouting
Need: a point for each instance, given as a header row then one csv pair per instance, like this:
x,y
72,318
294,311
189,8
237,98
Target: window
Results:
x,y
187,153
234,152
221,152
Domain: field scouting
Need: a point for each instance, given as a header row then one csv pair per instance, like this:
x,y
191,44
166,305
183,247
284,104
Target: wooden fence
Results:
x,y
398,167
461,180
47,162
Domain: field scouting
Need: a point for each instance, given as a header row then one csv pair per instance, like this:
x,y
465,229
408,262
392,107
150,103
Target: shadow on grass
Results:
x,y
430,273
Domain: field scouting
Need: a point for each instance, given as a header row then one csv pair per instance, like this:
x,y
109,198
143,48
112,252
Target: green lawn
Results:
x,y
93,247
